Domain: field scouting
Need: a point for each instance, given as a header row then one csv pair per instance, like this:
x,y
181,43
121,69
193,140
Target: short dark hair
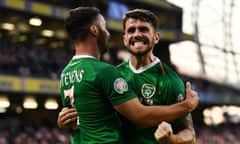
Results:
x,y
78,21
143,15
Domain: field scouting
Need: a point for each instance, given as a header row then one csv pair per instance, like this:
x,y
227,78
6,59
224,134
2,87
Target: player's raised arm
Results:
x,y
148,116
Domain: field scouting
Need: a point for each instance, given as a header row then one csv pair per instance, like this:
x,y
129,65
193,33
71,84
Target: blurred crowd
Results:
x,y
29,135
37,62
227,134
42,61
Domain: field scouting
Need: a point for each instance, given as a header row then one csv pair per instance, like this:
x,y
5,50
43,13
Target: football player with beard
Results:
x,y
153,81
97,90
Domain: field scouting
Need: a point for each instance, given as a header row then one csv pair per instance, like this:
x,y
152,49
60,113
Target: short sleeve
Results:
x,y
113,86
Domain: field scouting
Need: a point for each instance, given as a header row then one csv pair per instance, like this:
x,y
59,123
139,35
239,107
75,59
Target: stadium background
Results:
x,y
31,58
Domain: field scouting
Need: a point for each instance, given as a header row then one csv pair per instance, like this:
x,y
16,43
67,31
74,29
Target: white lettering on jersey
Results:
x,y
71,77
69,93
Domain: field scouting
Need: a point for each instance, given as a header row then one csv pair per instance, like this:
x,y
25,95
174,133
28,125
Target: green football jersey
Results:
x,y
75,134
76,137
94,87
155,84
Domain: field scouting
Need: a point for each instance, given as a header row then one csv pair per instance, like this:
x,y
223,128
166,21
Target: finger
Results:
x,y
188,86
63,113
68,110
65,108
72,111
64,117
70,120
194,93
160,133
72,114
69,116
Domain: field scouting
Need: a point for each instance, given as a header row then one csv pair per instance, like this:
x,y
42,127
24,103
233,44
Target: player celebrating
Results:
x,y
154,82
98,91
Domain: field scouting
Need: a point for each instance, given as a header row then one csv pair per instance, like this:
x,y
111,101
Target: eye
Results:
x,y
143,29
131,30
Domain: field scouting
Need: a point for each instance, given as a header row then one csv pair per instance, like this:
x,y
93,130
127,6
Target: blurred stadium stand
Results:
x,y
31,61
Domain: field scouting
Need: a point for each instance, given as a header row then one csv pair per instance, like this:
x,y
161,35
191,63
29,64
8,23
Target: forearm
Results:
x,y
185,136
149,116
184,129
166,112
156,114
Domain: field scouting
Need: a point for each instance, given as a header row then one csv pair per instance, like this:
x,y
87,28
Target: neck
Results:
x,y
88,47
141,61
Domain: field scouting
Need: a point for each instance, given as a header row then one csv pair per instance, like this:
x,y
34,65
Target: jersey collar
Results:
x,y
146,67
83,56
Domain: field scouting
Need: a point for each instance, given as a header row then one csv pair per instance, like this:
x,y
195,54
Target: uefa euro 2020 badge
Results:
x,y
120,85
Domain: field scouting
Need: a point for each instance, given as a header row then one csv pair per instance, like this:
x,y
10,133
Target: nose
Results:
x,y
137,33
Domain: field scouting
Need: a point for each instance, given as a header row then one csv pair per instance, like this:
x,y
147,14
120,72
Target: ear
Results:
x,y
94,30
157,37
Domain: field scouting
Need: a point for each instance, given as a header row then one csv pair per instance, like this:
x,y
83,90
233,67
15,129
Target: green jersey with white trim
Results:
x,y
155,84
94,87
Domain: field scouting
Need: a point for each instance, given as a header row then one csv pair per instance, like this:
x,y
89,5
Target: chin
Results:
x,y
137,53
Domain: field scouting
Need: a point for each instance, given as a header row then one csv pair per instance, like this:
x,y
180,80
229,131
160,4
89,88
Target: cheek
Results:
x,y
125,40
152,39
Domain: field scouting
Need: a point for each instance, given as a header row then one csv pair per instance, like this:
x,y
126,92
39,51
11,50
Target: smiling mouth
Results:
x,y
137,44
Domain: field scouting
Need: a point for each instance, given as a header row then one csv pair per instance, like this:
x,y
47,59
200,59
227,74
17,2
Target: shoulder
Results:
x,y
107,66
171,75
168,69
122,65
105,69
100,65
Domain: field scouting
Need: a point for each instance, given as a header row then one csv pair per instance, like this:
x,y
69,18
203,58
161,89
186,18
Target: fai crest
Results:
x,y
120,85
148,90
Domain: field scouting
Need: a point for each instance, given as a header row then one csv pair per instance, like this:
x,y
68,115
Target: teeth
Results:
x,y
138,44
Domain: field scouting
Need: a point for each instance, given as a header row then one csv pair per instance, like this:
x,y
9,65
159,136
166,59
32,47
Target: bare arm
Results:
x,y
164,133
144,116
187,134
148,116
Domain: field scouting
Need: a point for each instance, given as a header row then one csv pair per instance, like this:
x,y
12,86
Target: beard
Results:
x,y
102,41
143,52
139,53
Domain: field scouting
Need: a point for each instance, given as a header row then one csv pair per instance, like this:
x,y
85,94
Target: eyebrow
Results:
x,y
136,27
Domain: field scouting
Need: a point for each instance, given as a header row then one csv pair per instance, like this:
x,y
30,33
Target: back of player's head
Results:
x,y
143,15
78,21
